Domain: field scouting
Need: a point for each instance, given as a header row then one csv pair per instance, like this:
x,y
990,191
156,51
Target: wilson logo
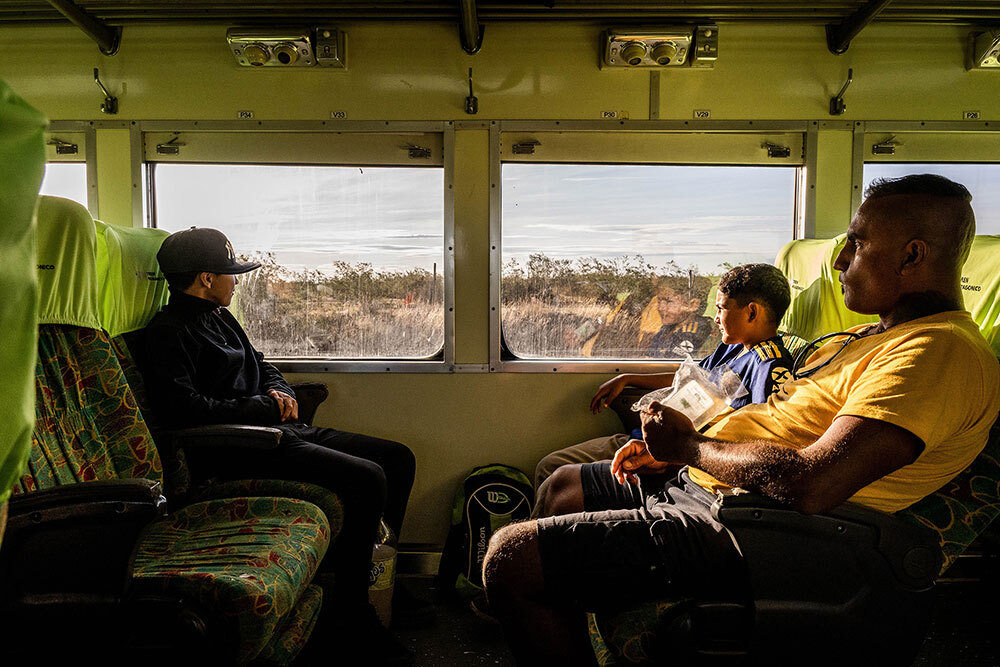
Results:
x,y
497,497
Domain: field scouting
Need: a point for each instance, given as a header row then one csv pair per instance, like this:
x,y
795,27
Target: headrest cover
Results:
x,y
22,145
130,284
67,264
817,306
981,287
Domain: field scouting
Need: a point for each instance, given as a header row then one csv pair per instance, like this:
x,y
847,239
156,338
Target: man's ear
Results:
x,y
694,304
753,312
205,279
915,254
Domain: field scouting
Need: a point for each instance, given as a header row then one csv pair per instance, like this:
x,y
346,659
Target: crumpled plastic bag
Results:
x,y
697,393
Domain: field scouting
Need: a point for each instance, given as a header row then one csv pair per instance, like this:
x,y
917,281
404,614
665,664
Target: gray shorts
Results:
x,y
652,541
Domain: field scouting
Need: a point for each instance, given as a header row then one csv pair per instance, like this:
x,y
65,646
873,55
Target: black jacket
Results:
x,y
200,368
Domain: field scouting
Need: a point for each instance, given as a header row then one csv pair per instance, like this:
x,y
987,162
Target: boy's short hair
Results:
x,y
181,280
763,283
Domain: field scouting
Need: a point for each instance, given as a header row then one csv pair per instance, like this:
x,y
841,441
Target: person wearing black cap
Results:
x,y
201,369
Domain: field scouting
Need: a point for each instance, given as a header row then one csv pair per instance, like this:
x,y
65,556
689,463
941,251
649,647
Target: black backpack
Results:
x,y
489,498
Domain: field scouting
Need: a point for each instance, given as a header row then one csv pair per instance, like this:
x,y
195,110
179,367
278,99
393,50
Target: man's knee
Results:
x,y
548,465
562,493
512,566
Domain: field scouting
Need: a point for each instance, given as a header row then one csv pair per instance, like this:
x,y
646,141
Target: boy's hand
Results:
x,y
668,433
607,393
633,458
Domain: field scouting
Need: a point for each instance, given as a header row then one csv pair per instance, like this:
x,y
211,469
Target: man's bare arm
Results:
x,y
852,453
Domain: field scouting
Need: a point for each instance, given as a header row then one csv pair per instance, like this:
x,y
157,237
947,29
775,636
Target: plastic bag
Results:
x,y
697,393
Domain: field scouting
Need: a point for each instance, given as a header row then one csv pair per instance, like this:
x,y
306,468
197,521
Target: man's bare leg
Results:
x,y
540,630
561,493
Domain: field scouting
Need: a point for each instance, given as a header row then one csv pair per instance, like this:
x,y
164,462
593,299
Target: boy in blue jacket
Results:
x,y
750,303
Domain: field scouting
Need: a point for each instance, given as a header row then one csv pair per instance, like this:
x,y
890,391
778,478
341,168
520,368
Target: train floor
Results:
x,y
963,632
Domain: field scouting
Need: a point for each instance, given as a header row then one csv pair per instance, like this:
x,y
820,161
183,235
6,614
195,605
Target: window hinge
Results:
x,y
172,147
525,147
64,147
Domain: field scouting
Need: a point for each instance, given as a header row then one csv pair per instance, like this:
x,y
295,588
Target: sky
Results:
x,y
392,217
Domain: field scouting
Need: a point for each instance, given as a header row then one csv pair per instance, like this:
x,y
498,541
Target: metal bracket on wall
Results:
x,y
837,106
110,104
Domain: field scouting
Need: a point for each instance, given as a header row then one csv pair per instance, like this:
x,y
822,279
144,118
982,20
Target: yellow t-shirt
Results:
x,y
934,376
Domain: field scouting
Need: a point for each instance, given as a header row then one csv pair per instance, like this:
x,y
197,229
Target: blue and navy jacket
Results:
x,y
762,369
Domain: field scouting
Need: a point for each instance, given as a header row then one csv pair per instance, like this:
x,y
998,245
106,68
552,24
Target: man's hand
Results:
x,y
632,458
289,406
607,393
667,432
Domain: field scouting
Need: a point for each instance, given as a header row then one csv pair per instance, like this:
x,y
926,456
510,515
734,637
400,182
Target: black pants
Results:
x,y
371,476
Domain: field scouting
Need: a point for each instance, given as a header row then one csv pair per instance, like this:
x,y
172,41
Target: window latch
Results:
x,y
418,152
63,147
887,147
172,147
525,147
776,151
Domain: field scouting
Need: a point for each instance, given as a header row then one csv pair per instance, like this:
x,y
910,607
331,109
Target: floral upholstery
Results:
x,y
248,559
317,495
87,425
245,562
290,636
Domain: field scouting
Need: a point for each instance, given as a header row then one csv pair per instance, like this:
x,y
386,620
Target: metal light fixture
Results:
x,y
984,50
256,47
671,46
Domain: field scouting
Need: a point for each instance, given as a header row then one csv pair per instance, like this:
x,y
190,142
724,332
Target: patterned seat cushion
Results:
x,y
290,636
87,424
249,560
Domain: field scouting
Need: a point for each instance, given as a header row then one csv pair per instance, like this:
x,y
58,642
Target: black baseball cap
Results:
x,y
200,249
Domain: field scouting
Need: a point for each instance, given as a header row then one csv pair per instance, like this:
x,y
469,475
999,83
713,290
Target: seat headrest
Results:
x,y
981,287
817,306
67,264
131,286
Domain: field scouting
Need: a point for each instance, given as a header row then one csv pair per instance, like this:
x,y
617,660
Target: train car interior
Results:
x,y
449,224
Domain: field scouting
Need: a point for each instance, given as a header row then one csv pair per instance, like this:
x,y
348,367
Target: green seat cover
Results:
x,y
981,287
131,287
817,306
22,145
67,264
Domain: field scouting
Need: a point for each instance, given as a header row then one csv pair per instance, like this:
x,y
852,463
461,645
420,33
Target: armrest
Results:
x,y
224,435
309,396
73,544
912,552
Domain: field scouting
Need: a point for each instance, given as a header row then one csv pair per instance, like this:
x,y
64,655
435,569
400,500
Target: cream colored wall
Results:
x,y
524,71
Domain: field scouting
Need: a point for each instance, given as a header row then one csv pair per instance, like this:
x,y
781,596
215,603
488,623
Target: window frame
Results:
x,y
145,138
84,136
804,201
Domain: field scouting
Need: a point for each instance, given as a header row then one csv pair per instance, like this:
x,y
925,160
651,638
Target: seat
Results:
x,y
853,585
91,552
22,145
131,290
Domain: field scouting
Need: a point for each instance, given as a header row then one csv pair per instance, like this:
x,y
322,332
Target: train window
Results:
x,y
980,179
619,261
66,179
348,227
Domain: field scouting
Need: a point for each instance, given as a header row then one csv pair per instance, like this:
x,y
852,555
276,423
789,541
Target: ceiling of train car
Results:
x,y
825,11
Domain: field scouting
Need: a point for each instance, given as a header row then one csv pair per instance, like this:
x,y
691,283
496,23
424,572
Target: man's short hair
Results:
x,y
178,282
918,184
959,224
763,283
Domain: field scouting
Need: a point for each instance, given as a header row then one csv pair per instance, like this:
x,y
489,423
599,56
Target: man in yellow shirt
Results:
x,y
881,415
